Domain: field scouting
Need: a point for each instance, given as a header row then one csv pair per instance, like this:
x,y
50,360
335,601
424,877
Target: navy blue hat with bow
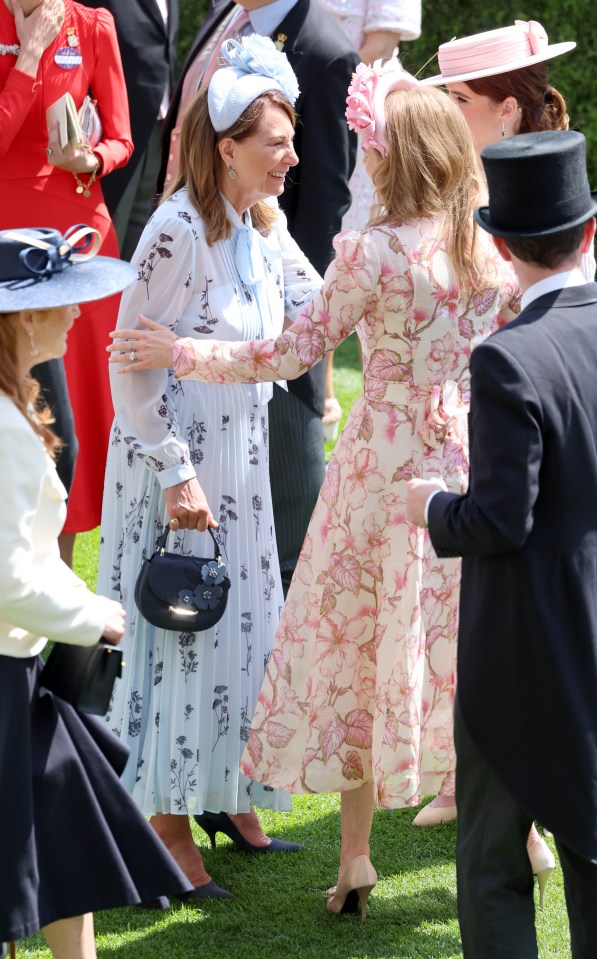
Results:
x,y
40,269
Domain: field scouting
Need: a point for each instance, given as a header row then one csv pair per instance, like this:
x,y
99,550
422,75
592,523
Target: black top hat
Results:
x,y
40,269
537,185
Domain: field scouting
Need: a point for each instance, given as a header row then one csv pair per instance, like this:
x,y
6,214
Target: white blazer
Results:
x,y
40,597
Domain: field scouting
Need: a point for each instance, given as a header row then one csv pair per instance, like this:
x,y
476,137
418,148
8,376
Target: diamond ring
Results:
x,y
133,356
174,521
49,151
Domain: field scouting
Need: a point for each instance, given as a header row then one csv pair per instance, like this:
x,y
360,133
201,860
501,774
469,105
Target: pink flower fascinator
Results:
x,y
365,110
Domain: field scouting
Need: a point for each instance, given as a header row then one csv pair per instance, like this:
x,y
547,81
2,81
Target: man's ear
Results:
x,y
588,237
502,249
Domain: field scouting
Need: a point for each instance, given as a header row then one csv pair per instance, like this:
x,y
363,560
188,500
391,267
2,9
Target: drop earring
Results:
x,y
231,172
33,351
503,129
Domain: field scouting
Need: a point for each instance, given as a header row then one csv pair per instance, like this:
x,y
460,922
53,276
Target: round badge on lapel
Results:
x,y
68,58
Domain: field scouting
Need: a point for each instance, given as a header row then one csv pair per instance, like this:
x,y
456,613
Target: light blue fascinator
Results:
x,y
255,66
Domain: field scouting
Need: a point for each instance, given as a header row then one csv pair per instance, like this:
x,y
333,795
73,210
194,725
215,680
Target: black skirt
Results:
x,y
72,840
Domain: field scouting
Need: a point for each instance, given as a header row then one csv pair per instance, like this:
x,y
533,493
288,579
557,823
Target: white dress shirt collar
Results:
x,y
163,5
265,19
558,281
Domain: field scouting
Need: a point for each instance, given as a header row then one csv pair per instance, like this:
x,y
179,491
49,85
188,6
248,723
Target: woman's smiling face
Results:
x,y
262,159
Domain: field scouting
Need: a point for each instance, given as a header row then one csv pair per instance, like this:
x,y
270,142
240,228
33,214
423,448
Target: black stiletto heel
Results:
x,y
215,822
207,827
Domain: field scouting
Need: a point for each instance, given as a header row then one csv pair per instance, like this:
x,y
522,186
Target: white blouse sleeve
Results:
x,y
38,592
351,288
301,280
145,412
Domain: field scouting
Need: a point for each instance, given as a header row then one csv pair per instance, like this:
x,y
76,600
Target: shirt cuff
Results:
x,y
428,503
175,475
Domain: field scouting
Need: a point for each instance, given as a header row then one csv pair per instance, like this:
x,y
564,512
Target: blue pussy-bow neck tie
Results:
x,y
248,255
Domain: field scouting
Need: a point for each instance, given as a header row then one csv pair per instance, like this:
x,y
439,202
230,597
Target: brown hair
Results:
x,y
431,170
548,251
542,106
24,392
201,164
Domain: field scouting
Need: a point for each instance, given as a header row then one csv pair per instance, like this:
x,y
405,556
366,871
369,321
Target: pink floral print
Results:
x,y
360,683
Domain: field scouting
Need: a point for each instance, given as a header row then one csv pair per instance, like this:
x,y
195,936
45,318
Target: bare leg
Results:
x,y
71,938
175,833
249,827
357,816
357,806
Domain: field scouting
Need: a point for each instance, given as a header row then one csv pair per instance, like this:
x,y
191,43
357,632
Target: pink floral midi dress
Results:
x,y
360,682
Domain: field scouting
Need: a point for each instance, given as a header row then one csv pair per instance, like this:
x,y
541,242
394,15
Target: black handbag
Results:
x,y
83,675
182,592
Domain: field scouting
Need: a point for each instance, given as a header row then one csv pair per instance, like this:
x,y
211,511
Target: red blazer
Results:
x,y
23,101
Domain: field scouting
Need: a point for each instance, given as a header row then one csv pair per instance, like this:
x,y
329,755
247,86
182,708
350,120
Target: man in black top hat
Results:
x,y
526,711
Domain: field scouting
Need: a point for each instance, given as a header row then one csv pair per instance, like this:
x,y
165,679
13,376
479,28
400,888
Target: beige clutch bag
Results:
x,y
79,127
65,112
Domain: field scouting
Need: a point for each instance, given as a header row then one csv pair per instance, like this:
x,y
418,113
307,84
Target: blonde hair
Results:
x,y
201,165
431,170
23,391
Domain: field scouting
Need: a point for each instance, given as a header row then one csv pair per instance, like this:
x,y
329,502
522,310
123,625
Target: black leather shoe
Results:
x,y
215,822
208,891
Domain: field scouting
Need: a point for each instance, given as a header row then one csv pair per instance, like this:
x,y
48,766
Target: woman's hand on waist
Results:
x,y
147,349
36,32
187,507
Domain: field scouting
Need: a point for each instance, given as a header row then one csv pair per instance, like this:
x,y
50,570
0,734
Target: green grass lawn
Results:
x,y
279,910
348,379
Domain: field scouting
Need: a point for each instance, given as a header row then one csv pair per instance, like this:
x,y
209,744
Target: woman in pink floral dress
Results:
x,y
358,692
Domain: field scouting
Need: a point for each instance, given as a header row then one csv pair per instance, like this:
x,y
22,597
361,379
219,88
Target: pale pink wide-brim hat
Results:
x,y
496,51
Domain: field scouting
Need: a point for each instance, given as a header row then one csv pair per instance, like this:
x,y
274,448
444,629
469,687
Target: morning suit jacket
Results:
x,y
527,529
316,194
149,60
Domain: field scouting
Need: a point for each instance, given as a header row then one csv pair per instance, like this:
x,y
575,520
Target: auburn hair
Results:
x,y
542,107
24,391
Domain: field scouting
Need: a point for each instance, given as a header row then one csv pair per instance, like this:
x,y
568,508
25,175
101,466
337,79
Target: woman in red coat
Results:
x,y
49,47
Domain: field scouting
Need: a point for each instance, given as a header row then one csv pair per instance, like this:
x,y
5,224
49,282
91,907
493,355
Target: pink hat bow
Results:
x,y
536,35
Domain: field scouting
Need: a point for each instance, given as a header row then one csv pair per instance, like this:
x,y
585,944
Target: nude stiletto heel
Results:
x,y
431,815
542,864
353,888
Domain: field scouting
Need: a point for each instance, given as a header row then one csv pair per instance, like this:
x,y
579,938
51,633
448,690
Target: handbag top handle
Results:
x,y
161,543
